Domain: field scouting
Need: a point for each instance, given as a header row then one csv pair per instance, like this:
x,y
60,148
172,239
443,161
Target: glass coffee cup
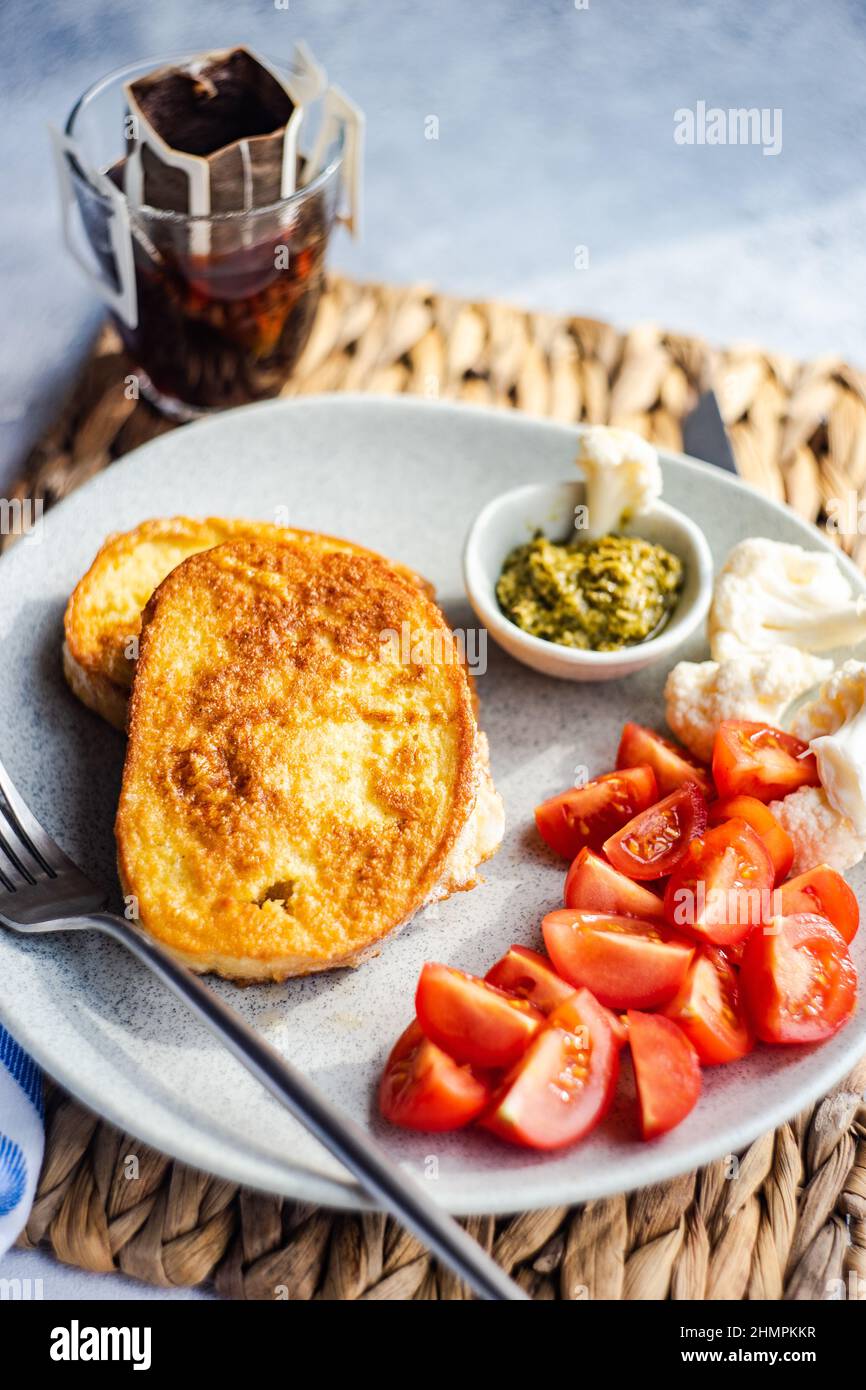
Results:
x,y
214,311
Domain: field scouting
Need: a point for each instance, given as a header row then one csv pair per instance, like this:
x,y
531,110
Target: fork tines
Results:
x,y
29,852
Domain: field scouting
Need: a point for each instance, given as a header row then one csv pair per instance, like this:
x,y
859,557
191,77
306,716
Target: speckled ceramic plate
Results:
x,y
406,478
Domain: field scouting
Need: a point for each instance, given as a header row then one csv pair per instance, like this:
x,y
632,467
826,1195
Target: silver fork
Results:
x,y
41,890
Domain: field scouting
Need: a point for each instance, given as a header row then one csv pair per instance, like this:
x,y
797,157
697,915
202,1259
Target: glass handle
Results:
x,y
339,114
123,300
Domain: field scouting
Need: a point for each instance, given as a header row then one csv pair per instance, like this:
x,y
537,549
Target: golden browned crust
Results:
x,y
293,789
96,691
103,617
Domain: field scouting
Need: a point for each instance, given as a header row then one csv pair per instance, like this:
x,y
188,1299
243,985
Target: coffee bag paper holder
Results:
x,y
304,84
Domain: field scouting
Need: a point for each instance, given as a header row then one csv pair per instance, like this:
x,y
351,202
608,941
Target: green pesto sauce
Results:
x,y
596,595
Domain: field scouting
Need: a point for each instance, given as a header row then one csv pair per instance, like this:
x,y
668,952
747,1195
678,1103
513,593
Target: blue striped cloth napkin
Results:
x,y
22,1137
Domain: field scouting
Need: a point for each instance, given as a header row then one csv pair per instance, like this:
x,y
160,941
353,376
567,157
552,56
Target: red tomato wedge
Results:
x,y
764,824
529,975
587,815
654,841
710,1011
595,885
732,954
472,1021
671,764
799,981
423,1088
723,887
667,1072
564,1083
823,890
625,963
564,1017
753,759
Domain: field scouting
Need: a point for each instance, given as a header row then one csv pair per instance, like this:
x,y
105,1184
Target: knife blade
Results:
x,y
704,434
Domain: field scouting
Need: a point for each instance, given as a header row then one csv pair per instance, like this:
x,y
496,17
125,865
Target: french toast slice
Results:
x,y
294,787
103,617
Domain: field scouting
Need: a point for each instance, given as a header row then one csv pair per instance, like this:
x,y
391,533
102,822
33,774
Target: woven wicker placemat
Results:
x,y
785,1219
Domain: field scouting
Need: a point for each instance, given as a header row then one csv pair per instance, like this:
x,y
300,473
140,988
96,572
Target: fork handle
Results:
x,y
394,1190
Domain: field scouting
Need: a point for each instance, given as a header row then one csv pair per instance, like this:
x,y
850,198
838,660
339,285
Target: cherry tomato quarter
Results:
x,y
531,976
823,890
625,963
587,815
423,1088
471,1020
754,759
723,887
710,1010
654,841
667,1072
595,885
563,1085
764,824
799,981
672,764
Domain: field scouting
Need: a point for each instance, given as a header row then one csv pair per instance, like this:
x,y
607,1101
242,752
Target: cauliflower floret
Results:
x,y
700,694
819,833
623,477
834,726
770,594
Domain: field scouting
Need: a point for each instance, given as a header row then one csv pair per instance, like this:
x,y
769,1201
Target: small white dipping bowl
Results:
x,y
513,518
